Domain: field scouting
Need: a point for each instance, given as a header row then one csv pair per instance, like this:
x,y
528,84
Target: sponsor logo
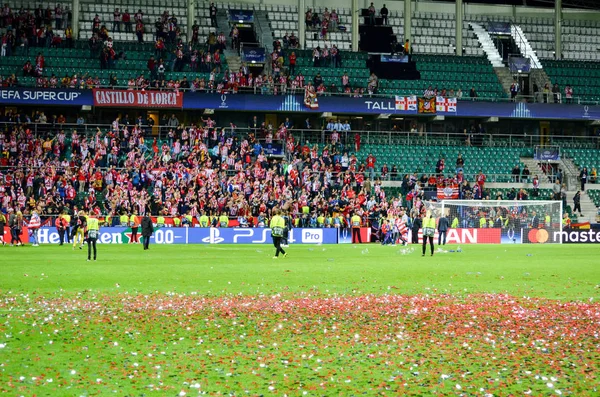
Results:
x,y
214,236
469,236
30,95
381,105
586,110
113,236
312,236
577,236
223,104
539,236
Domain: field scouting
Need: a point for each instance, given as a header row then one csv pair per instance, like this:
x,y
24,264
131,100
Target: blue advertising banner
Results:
x,y
501,28
334,104
519,65
184,235
366,105
273,149
394,58
254,55
45,96
547,154
241,16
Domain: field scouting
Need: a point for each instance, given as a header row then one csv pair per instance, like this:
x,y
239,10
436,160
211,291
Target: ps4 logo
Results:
x,y
214,236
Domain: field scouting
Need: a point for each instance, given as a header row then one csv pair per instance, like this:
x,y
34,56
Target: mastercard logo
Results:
x,y
538,236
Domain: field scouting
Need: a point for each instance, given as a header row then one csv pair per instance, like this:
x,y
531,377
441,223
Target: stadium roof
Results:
x,y
587,4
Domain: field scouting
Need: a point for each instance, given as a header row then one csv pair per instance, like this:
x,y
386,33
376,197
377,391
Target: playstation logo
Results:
x,y
214,236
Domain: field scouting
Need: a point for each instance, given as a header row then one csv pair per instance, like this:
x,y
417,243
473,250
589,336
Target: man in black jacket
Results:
x,y
417,223
577,203
443,226
147,230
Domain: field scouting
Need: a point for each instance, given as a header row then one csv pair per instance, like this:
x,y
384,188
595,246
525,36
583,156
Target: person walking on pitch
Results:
x,y
428,231
62,226
34,227
277,225
93,230
79,230
147,230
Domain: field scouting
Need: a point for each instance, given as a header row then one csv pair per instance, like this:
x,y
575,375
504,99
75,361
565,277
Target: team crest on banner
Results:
x,y
426,105
445,104
406,102
447,192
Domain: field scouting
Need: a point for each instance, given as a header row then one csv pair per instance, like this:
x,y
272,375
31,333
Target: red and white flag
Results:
x,y
447,193
445,104
406,102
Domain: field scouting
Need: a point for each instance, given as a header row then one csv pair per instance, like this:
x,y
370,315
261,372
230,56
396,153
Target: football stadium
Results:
x,y
289,198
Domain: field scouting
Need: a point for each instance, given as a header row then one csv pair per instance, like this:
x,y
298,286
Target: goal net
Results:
x,y
500,221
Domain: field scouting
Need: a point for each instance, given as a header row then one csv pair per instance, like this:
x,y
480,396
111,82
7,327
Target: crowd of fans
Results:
x,y
34,28
205,169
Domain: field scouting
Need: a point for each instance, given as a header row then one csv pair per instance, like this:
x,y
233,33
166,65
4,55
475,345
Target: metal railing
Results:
x,y
322,136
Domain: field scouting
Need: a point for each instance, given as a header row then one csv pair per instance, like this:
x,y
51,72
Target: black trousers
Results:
x,y
277,244
15,235
356,235
134,237
441,237
577,206
286,235
91,242
415,236
61,236
146,241
425,238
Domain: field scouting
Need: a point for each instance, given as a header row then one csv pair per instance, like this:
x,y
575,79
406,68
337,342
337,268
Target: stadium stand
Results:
x,y
434,33
582,77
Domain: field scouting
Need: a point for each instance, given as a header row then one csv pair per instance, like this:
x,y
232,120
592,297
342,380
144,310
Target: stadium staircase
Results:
x,y
234,61
590,199
488,45
264,32
533,166
223,22
505,78
517,34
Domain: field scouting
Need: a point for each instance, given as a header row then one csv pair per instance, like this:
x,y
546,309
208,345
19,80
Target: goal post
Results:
x,y
501,221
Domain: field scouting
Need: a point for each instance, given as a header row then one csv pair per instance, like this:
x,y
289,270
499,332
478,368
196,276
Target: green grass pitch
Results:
x,y
343,320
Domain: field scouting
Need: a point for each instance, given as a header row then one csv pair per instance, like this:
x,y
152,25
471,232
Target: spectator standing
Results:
x,y
577,203
514,90
556,93
213,15
384,15
116,21
473,93
372,15
126,19
546,92
583,177
371,160
58,16
69,36
569,94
